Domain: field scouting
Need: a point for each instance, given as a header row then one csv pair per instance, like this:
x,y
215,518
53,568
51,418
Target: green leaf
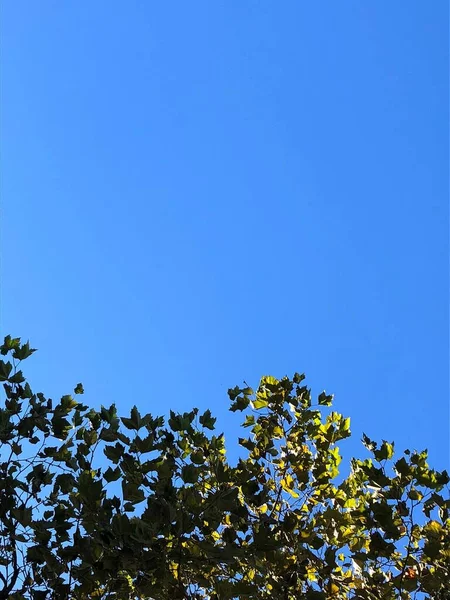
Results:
x,y
175,422
325,399
368,443
136,418
190,474
109,415
298,378
114,453
77,419
414,494
143,445
108,434
402,467
61,427
10,344
246,443
132,492
385,452
5,370
249,421
112,474
129,424
207,421
16,448
65,482
241,403
35,554
198,458
23,352
17,377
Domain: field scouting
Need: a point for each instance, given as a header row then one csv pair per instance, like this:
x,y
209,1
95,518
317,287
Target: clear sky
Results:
x,y
198,193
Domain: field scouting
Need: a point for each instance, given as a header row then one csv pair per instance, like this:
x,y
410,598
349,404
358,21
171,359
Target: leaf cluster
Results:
x,y
94,505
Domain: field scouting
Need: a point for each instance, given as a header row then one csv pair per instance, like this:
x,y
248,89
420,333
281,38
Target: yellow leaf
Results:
x,y
269,380
333,589
433,528
287,484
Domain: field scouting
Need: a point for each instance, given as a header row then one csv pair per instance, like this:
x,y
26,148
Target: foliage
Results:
x,y
97,506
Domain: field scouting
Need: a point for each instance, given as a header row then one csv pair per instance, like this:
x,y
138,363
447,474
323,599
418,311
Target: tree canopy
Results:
x,y
93,505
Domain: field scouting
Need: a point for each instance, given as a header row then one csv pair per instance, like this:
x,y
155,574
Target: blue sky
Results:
x,y
195,194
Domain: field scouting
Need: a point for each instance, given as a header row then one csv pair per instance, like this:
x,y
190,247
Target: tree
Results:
x,y
97,506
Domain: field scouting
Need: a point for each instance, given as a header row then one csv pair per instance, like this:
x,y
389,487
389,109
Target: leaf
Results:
x,y
345,425
414,494
143,445
5,370
298,378
35,554
207,420
17,377
233,393
260,403
114,453
79,389
108,434
112,474
385,452
22,352
325,399
433,529
190,474
77,419
249,421
288,486
136,417
198,458
175,422
65,482
402,467
9,344
241,403
246,443
132,492
61,427
134,422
